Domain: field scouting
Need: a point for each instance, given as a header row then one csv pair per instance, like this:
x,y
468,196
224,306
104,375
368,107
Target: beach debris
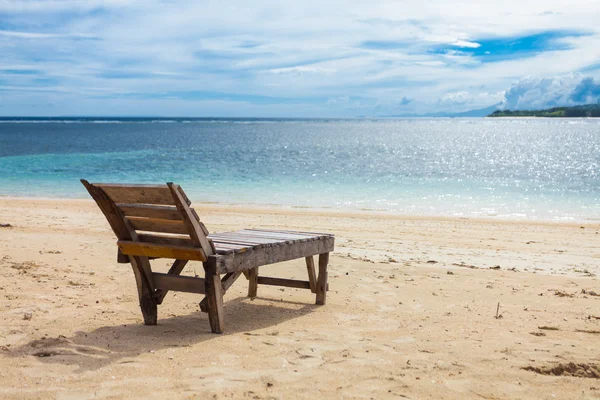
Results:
x,y
462,264
498,314
548,328
432,262
581,370
4,348
6,226
588,331
48,353
589,292
560,293
27,315
495,267
449,273
593,317
537,333
23,266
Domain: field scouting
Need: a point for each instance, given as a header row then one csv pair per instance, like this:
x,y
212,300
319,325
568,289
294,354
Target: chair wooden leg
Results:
x,y
252,282
312,278
214,298
322,280
145,295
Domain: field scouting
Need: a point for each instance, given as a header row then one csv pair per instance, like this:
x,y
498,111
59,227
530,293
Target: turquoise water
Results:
x,y
509,168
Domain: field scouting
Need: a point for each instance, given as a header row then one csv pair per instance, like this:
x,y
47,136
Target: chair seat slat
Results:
x,y
138,194
161,251
164,239
150,211
158,225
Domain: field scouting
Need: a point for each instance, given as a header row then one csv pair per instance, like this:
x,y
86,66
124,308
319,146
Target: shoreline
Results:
x,y
343,211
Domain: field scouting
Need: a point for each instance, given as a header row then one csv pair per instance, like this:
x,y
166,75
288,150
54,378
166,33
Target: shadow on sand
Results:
x,y
122,343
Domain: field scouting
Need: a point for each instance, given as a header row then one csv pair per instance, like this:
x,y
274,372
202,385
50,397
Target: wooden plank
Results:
x,y
229,279
279,236
226,245
193,226
224,248
283,235
175,269
164,239
178,283
258,256
297,232
243,243
214,297
161,251
252,282
134,194
145,287
265,280
322,280
150,211
112,213
158,225
312,278
236,238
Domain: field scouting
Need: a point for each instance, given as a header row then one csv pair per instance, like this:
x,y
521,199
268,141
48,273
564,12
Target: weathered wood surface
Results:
x,y
239,239
266,280
150,211
158,225
292,232
214,298
269,255
161,251
112,213
193,226
312,277
166,239
136,194
175,269
252,282
179,283
148,305
322,280
229,279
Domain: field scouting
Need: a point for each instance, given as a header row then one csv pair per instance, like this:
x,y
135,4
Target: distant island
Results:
x,y
586,111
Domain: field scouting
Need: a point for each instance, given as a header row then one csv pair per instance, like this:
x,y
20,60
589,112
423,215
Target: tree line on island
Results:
x,y
586,111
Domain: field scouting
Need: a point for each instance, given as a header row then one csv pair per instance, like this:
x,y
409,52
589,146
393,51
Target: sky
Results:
x,y
295,58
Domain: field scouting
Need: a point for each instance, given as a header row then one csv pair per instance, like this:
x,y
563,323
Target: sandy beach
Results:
x,y
411,312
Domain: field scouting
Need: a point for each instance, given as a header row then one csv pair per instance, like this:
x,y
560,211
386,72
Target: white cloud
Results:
x,y
467,44
539,93
310,49
301,69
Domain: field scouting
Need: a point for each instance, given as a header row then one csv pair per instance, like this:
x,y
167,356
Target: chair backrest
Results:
x,y
150,218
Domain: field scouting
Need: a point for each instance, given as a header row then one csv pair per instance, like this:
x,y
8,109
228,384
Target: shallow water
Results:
x,y
511,168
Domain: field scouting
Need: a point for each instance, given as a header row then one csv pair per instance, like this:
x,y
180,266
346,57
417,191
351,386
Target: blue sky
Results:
x,y
297,59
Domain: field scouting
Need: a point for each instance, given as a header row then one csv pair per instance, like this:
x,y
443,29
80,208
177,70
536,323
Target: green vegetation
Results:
x,y
589,110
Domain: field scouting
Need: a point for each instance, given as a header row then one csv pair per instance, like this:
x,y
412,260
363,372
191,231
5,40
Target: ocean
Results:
x,y
544,169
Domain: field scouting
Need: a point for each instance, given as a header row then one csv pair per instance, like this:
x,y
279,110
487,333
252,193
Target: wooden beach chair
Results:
x,y
156,221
